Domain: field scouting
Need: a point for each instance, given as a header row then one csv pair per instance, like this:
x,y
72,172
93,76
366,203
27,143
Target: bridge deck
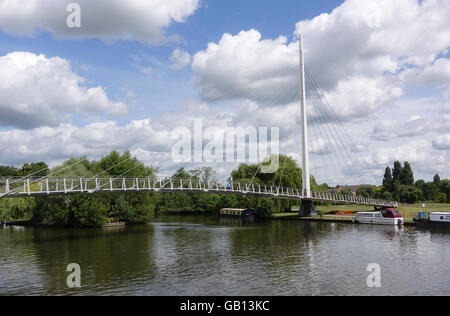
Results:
x,y
13,187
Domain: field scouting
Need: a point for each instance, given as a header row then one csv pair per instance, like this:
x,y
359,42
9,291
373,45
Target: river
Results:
x,y
204,255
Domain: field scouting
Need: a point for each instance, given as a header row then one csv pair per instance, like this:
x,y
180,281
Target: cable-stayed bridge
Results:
x,y
323,116
23,187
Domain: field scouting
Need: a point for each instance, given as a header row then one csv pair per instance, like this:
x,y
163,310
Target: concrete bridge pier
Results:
x,y
307,209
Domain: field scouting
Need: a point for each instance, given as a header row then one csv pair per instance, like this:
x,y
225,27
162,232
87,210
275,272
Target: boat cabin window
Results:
x,y
391,213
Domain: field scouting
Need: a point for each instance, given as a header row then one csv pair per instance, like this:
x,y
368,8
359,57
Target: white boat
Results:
x,y
388,216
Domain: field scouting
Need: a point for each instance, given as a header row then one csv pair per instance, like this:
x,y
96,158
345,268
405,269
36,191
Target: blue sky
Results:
x,y
136,71
111,64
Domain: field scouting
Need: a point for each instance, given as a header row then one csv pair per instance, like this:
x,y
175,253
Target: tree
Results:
x,y
388,196
181,174
123,165
397,171
26,169
410,194
445,188
396,190
437,180
407,175
204,174
442,197
366,191
431,192
289,174
265,208
420,184
6,171
387,181
346,191
73,168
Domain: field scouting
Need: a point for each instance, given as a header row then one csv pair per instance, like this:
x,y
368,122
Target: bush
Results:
x,y
410,194
264,208
93,210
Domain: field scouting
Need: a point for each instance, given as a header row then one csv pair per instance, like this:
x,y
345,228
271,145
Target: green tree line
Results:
x,y
399,185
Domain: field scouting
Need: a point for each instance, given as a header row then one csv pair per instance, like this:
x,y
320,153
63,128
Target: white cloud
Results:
x,y
388,130
140,20
446,107
180,59
245,66
322,146
425,162
376,36
358,53
359,97
442,142
37,91
414,151
438,72
93,140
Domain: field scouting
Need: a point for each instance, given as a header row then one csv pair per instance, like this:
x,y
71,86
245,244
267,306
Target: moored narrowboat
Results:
x,y
238,213
434,220
387,216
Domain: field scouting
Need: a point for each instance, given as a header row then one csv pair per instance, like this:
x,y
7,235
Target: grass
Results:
x,y
411,211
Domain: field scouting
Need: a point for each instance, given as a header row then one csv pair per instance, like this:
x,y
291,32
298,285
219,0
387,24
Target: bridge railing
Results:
x,y
14,187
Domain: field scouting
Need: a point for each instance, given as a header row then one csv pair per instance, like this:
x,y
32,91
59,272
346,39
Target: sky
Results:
x,y
138,70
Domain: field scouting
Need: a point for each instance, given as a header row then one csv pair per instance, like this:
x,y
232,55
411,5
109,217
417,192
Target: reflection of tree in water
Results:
x,y
108,258
284,250
188,254
280,237
18,265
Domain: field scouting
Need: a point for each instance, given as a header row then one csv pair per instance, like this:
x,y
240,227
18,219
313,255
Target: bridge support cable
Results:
x,y
340,145
329,167
339,121
336,141
329,140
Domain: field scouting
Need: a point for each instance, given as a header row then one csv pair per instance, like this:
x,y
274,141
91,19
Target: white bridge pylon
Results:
x,y
305,147
63,186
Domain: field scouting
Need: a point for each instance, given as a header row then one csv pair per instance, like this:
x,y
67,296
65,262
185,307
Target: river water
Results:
x,y
198,255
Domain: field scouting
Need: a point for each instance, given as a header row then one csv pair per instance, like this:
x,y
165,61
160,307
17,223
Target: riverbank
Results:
x,y
325,218
41,225
408,211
